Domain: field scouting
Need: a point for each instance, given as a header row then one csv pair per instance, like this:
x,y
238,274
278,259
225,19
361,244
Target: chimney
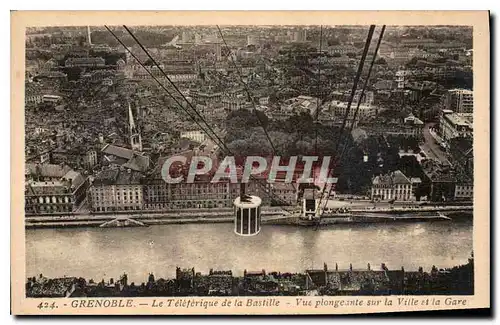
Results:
x,y
369,267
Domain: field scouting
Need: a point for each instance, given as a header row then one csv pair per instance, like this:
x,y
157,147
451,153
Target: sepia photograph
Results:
x,y
322,162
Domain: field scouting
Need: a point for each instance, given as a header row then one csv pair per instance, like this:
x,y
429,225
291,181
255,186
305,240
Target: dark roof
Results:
x,y
138,163
255,273
384,85
110,149
462,145
75,178
437,172
85,60
47,170
396,177
359,135
400,178
126,157
354,280
184,144
117,177
396,278
318,277
156,173
116,160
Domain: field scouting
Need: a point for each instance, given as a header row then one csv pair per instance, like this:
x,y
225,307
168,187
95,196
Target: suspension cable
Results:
x,y
221,144
247,91
360,98
250,97
158,81
366,81
171,82
319,85
351,98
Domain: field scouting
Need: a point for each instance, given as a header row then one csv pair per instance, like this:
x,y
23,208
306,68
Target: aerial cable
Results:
x,y
223,146
365,83
250,97
353,92
319,86
158,81
247,90
177,89
171,82
361,97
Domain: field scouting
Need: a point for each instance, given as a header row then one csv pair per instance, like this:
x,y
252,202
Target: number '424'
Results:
x,y
46,305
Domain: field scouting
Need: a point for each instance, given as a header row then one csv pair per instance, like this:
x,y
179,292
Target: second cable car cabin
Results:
x,y
310,205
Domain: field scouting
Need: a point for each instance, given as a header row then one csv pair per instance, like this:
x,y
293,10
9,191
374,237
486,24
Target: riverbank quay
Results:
x,y
143,218
270,215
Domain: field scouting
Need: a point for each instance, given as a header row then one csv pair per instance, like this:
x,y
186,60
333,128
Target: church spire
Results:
x,y
131,122
135,134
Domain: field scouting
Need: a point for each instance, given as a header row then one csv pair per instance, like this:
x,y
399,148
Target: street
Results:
x,y
431,148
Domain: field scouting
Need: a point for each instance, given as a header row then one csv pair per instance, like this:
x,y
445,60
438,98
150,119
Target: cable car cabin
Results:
x,y
247,216
310,205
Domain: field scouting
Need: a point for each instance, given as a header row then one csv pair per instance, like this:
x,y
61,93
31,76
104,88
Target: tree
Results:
x,y
412,62
381,61
112,58
440,60
303,147
272,97
283,142
244,118
73,72
333,42
149,62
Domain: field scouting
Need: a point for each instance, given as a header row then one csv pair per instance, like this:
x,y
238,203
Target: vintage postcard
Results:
x,y
250,162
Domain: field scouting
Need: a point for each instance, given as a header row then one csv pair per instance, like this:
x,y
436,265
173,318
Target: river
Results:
x,y
108,252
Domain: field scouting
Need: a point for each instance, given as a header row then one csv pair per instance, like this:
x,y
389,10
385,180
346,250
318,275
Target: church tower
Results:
x,y
135,134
